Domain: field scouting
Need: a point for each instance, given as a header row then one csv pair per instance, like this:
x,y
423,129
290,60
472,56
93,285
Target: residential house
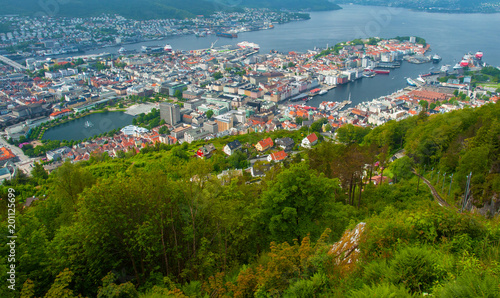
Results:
x,y
264,144
206,151
285,143
277,156
310,140
231,147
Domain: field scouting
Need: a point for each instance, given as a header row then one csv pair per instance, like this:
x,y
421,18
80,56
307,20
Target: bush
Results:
x,y
308,287
382,291
416,268
471,285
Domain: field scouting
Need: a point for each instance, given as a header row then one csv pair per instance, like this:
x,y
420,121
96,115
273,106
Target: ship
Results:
x,y
379,71
323,92
227,34
167,48
436,58
369,74
151,49
479,55
248,45
411,82
124,51
201,34
420,79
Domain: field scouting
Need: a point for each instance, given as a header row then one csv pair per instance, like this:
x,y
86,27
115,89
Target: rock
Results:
x,y
346,251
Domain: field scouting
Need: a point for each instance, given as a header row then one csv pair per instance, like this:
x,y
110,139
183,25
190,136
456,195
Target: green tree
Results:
x,y
39,172
402,168
424,104
217,75
209,114
295,203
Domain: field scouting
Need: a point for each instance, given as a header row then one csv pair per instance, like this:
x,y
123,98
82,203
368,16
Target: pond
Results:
x,y
88,126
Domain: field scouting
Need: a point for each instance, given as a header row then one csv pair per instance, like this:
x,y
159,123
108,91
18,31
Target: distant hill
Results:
x,y
149,9
460,6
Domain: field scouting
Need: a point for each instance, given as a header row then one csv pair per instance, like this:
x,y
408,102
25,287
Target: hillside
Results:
x,y
450,6
149,9
161,223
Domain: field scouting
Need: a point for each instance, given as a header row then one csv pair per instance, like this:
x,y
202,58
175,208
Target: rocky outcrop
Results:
x,y
346,252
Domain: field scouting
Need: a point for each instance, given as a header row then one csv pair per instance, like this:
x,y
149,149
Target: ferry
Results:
x,y
411,82
248,45
167,48
436,58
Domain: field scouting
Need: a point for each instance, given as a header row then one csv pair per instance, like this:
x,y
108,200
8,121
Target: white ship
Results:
x,y
323,92
167,48
248,45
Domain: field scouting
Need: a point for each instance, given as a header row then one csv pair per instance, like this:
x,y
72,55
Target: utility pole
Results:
x,y
467,190
438,177
451,181
444,179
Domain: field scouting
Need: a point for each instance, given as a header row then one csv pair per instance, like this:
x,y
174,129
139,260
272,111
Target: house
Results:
x,y
285,143
310,140
264,144
277,156
206,151
230,148
57,153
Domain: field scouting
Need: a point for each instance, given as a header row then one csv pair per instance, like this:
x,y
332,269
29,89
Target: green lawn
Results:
x,y
490,85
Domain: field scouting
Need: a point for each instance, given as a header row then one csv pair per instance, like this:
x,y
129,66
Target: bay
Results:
x,y
450,35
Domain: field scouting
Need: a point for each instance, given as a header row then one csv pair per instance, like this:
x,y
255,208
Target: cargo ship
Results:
x,y
227,34
248,45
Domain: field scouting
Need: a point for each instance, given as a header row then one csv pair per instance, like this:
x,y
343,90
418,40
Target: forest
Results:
x,y
162,223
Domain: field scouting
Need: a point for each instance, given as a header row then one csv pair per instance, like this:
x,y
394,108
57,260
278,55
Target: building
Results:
x,y
195,135
230,148
211,126
179,132
57,153
6,154
206,151
285,143
277,156
170,112
224,122
264,144
310,140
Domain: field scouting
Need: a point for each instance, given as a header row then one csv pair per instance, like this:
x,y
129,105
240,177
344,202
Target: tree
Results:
x,y
299,120
402,168
209,114
39,172
178,94
295,202
424,104
350,134
217,75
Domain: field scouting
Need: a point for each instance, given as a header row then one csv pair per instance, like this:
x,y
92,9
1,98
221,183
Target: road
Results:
x,y
24,162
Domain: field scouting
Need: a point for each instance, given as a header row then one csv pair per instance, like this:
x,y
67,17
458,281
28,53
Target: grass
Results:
x,y
490,85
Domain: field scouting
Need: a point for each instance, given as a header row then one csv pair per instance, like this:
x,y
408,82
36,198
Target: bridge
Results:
x,y
12,63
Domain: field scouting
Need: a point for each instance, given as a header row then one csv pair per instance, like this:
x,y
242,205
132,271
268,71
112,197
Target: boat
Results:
x,y
167,48
379,71
88,124
479,55
151,49
323,92
227,34
421,80
248,45
201,34
124,51
367,74
436,58
411,82
445,68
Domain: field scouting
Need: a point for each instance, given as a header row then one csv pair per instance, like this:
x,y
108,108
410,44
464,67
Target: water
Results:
x,y
450,36
75,130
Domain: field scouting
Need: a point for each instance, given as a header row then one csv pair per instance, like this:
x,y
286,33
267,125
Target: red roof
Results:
x,y
278,156
266,143
312,138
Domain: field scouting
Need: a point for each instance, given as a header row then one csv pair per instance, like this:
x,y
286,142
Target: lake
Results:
x,y
76,130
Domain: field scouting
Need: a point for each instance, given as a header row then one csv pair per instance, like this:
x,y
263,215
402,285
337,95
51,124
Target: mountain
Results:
x,y
149,9
460,6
